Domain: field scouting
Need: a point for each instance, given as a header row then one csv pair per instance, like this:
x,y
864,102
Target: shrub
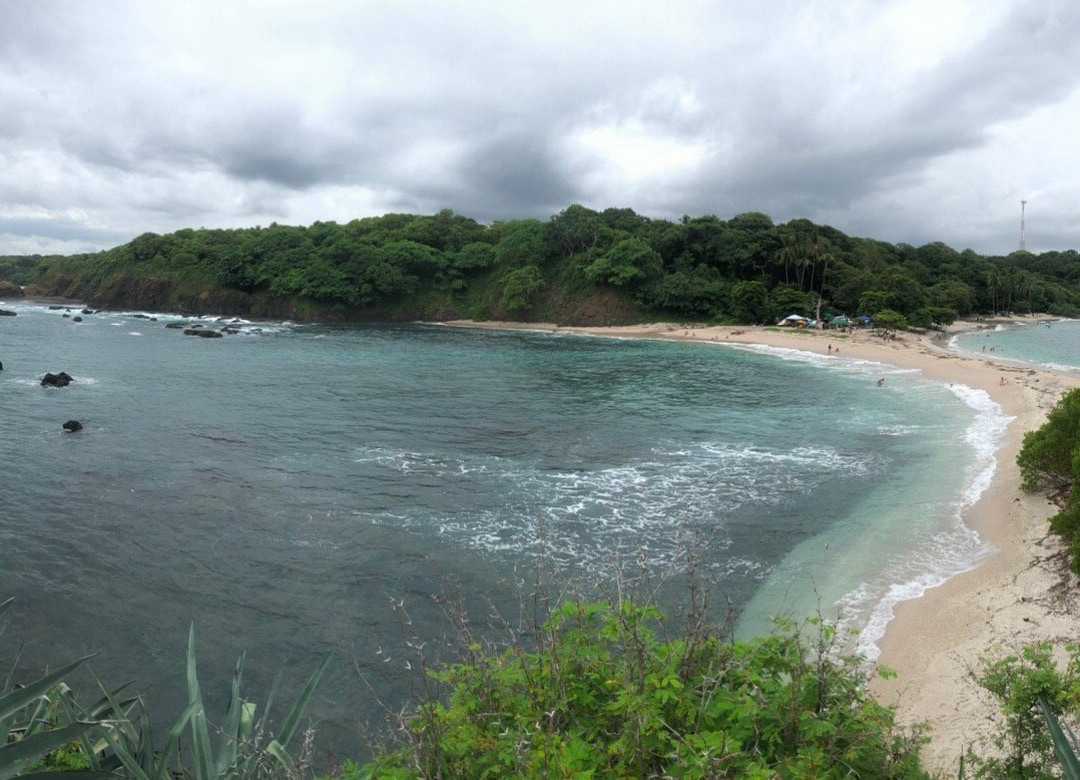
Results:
x,y
1024,684
603,696
1050,459
887,318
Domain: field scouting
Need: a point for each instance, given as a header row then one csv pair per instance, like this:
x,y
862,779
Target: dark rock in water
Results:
x,y
67,316
1,365
88,311
230,331
177,325
6,313
55,308
76,319
72,426
141,316
196,325
206,334
63,379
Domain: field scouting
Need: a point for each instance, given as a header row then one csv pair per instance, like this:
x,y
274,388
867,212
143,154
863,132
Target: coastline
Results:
x,y
1012,598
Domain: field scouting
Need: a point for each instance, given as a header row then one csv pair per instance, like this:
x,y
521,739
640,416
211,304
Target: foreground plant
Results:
x,y
33,722
603,696
1065,744
1027,685
244,748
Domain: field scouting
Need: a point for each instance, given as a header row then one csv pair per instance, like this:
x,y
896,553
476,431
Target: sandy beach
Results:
x,y
1013,598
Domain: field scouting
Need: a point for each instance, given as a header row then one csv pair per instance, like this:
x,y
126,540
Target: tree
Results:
x,y
575,230
891,320
629,262
874,301
519,286
750,301
521,242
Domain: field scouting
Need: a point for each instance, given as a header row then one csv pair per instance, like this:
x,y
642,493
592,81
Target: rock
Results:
x,y
1,365
76,319
6,313
55,308
177,325
88,311
63,379
206,334
10,290
67,316
72,425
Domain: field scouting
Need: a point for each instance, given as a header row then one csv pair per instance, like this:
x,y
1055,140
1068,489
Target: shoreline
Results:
x,y
935,641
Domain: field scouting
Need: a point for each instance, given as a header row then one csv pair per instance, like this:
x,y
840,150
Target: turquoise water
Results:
x,y
1055,346
288,488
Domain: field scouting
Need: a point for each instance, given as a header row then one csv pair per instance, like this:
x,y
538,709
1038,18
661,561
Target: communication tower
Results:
x,y
1023,208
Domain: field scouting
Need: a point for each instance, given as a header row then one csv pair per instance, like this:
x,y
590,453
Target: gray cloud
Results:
x,y
166,116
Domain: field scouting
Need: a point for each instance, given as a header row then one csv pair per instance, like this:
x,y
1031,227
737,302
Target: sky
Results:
x,y
912,121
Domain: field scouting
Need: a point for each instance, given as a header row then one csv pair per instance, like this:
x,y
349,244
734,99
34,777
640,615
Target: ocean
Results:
x,y
1054,345
295,490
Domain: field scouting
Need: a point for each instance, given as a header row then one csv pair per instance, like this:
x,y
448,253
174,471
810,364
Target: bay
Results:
x,y
297,490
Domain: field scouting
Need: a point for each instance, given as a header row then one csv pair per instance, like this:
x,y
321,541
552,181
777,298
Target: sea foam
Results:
x,y
951,551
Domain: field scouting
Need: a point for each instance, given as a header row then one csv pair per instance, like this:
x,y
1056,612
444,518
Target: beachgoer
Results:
x,y
1001,381
881,382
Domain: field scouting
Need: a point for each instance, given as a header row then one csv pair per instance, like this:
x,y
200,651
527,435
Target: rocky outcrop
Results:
x,y
6,313
206,334
72,425
10,290
63,379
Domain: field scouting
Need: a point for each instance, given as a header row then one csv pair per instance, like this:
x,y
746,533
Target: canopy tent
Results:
x,y
794,321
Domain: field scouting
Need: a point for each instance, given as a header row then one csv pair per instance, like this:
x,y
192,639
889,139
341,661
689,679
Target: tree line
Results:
x,y
746,269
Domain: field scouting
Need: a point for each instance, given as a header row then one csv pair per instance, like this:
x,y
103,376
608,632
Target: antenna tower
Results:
x,y
1023,208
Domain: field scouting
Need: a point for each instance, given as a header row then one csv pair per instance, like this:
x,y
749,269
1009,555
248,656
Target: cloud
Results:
x,y
872,116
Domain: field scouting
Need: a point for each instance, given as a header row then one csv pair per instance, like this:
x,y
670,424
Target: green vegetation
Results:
x,y
602,691
1050,460
45,730
604,696
583,266
1032,693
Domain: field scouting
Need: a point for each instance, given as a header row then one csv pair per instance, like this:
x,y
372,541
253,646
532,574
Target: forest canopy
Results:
x,y
581,265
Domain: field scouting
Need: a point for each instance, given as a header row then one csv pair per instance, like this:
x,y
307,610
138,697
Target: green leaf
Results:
x,y
200,735
21,697
16,756
230,730
289,728
1065,752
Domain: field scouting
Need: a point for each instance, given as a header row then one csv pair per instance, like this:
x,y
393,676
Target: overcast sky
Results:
x,y
905,121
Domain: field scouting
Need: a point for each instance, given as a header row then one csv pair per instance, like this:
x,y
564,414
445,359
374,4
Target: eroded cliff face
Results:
x,y
144,293
137,293
10,290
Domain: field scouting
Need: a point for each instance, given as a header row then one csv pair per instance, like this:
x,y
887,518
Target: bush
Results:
x,y
603,696
1050,459
891,320
1020,682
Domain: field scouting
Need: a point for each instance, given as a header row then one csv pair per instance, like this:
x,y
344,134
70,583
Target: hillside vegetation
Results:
x,y
581,267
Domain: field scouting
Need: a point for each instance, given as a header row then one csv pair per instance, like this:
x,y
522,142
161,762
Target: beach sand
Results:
x,y
1014,597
